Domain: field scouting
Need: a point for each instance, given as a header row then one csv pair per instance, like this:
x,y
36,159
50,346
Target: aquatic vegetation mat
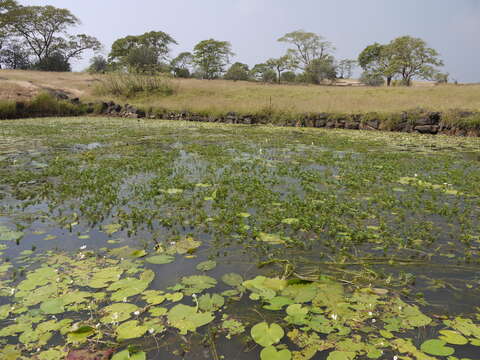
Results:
x,y
151,239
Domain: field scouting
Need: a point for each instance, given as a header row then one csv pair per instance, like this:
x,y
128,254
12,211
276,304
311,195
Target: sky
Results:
x,y
452,27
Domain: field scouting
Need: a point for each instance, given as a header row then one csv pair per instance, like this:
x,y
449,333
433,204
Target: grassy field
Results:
x,y
221,96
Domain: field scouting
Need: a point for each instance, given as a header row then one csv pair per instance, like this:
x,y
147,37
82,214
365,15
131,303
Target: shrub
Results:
x,y
288,76
132,85
54,62
8,109
372,79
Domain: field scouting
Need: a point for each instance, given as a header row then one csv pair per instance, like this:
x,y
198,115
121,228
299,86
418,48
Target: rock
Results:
x,y
427,129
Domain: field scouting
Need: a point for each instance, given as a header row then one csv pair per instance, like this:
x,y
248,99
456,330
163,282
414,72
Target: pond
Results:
x,y
172,240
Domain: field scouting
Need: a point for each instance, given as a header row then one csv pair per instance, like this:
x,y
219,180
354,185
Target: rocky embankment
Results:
x,y
424,122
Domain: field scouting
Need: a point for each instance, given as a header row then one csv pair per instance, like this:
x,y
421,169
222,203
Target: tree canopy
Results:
x,y
307,46
212,56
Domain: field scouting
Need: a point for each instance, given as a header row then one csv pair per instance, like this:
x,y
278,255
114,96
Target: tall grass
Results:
x,y
44,104
133,85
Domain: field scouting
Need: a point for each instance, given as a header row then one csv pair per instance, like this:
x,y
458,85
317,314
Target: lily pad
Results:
x,y
9,235
130,355
437,348
270,353
160,259
267,335
453,337
130,330
207,265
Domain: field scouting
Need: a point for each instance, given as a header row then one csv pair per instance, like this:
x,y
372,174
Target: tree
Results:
x,y
281,64
345,68
307,47
211,56
98,64
378,59
289,76
263,73
43,29
238,71
181,65
15,55
321,69
53,62
414,59
155,45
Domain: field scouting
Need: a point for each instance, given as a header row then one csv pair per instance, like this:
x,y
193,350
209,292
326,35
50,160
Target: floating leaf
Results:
x,y
273,239
209,302
111,229
130,355
453,337
341,355
186,318
267,335
139,253
232,279
270,353
206,265
118,312
232,327
9,235
437,347
290,221
160,259
130,330
197,283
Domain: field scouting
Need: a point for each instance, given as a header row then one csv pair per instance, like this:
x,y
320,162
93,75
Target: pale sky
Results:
x,y
452,27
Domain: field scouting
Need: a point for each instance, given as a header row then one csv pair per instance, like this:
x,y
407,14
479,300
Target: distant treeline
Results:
x,y
37,37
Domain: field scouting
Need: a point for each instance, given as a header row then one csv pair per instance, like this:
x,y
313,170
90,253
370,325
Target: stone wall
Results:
x,y
418,121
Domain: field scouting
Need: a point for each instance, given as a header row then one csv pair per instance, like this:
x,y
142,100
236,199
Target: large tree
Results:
x,y
262,72
414,59
281,64
212,56
378,60
320,70
154,45
307,46
345,68
238,71
43,31
181,65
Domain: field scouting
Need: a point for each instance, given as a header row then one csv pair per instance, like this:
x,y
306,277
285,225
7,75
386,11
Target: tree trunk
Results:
x,y
389,80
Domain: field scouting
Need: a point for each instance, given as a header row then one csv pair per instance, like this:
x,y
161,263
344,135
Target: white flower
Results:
x,y
415,175
334,317
370,313
400,308
136,313
83,247
374,321
54,317
98,325
395,357
151,331
172,243
194,296
12,291
58,279
115,316
124,299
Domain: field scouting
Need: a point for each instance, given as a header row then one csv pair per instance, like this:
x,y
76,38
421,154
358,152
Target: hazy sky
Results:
x,y
253,26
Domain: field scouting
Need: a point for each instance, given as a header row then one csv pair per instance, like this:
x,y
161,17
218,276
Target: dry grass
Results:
x,y
220,96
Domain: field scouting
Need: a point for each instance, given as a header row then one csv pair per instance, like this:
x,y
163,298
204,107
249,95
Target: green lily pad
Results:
x,y
187,318
209,302
9,235
341,355
453,337
437,348
111,229
130,330
273,239
160,259
207,265
130,355
267,335
232,279
270,353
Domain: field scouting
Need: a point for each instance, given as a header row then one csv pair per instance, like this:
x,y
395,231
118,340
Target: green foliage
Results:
x,y
181,65
211,56
437,347
134,85
98,65
321,69
267,335
306,47
53,62
286,62
263,73
237,71
372,79
143,51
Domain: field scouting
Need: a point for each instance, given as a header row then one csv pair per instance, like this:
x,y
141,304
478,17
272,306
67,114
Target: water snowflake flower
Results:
x,y
194,296
374,321
151,331
136,313
83,247
172,243
115,316
395,357
12,291
334,317
124,299
97,325
370,313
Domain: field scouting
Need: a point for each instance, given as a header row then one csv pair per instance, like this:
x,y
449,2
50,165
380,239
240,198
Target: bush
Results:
x,y
371,79
98,64
54,62
288,76
8,109
132,85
